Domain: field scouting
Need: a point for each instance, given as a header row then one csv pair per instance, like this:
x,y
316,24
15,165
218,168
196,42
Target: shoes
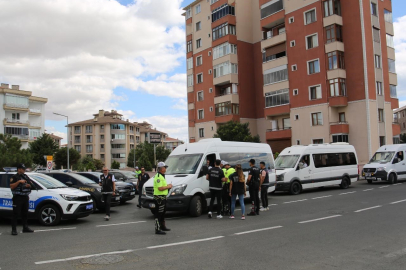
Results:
x,y
14,232
166,230
27,230
257,213
243,217
160,232
262,209
219,216
107,218
139,206
252,214
210,215
232,217
267,208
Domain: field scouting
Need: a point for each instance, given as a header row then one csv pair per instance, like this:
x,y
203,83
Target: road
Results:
x,y
330,228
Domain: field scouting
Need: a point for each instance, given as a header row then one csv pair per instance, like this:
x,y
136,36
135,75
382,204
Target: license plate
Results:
x,y
367,175
151,205
132,193
89,206
117,198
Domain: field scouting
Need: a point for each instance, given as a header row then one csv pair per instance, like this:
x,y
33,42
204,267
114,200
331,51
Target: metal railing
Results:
x,y
17,121
16,105
89,130
77,131
35,111
278,129
339,123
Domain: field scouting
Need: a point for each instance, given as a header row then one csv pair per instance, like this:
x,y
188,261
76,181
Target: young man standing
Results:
x,y
216,178
226,189
142,179
161,189
254,186
107,182
264,186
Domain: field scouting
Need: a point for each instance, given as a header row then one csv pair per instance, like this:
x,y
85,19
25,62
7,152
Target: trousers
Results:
x,y
20,207
254,195
215,194
233,201
226,199
159,212
107,202
264,196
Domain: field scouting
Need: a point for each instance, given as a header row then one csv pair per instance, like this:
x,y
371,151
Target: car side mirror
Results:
x,y
69,183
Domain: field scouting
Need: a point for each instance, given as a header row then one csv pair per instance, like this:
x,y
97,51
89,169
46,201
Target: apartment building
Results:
x,y
399,116
172,143
299,72
22,113
150,134
56,139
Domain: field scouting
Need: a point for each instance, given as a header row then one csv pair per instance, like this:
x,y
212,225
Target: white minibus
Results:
x,y
319,165
187,171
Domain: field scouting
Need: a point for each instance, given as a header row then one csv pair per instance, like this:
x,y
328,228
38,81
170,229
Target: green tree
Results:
x,y
98,164
11,153
145,151
236,132
144,161
42,146
162,153
85,164
115,165
130,160
60,157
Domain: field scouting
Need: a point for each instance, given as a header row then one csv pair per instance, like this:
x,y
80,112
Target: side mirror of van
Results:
x,y
395,160
203,171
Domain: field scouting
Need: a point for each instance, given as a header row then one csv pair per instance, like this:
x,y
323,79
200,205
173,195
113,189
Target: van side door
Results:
x,y
399,164
304,171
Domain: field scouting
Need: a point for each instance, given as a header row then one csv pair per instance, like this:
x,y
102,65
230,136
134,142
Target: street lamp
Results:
x,y
67,136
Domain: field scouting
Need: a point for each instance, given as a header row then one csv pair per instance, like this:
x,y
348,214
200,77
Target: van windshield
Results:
x,y
382,157
285,162
183,164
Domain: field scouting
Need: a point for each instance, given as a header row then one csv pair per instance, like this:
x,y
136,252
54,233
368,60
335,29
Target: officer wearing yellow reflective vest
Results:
x,y
226,188
161,189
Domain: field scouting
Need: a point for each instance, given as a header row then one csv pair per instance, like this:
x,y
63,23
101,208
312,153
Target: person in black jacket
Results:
x,y
143,177
237,187
107,182
254,184
215,177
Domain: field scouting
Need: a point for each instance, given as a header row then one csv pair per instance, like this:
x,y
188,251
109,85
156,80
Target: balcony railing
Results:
x,y
278,129
89,131
35,124
16,121
35,111
89,141
339,123
77,141
21,137
16,105
270,34
132,131
77,131
89,150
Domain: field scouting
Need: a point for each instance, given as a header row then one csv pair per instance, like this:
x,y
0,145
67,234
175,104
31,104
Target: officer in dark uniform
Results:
x,y
21,187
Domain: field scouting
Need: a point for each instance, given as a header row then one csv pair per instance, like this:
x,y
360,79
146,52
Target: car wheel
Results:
x,y
196,206
295,188
392,178
49,215
345,183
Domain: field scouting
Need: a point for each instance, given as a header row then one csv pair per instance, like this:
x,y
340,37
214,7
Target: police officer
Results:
x,y
254,184
107,182
137,172
142,179
226,189
161,189
21,187
264,186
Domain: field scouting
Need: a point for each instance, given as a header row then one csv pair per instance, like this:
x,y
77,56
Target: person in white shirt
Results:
x,y
107,182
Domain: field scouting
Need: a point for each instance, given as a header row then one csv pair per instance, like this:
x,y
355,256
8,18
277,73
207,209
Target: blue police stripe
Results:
x,y
8,203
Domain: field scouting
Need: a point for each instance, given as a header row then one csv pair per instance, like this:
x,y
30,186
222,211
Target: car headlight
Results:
x,y
280,177
178,190
381,169
69,197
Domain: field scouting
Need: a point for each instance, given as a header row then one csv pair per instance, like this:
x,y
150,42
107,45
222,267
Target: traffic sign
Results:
x,y
49,165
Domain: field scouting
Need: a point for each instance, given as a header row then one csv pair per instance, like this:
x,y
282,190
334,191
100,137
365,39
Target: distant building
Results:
x,y
399,116
56,139
171,143
148,133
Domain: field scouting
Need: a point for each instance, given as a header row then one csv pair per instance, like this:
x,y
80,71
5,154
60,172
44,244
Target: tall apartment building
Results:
x,y
399,116
299,72
22,114
56,139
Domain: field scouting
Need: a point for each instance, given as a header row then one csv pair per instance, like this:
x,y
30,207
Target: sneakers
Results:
x,y
232,217
107,218
219,216
243,217
27,230
139,206
14,232
160,232
262,209
210,215
267,208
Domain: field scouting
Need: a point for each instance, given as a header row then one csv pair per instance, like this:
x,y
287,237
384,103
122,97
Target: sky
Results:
x,y
127,55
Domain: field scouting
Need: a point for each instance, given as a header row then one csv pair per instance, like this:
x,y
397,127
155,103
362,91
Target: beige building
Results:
x,y
171,143
148,133
56,139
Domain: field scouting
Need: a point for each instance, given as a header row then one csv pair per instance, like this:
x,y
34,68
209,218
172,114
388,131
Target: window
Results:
x,y
312,41
340,138
227,108
317,119
335,60
396,140
89,138
102,156
271,8
373,9
101,146
200,114
296,117
376,34
118,155
315,92
379,88
318,141
15,116
213,1
382,140
102,127
119,136
17,101
89,129
224,69
331,7
222,11
310,16
381,115
16,131
229,90
291,19
388,16
210,71
295,92
117,126
377,61
277,98
77,129
392,66
199,78
199,43
294,67
200,96
313,66
292,43
210,90
334,159
89,148
341,117
189,46
224,49
189,63
209,53
223,30
274,53
275,75
333,33
286,123
337,87
201,132
78,148
298,142
190,80
198,26
198,9
389,41
199,61
211,109
118,146
188,13
393,92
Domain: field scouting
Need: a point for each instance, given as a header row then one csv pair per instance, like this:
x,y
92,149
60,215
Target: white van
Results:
x,y
187,171
319,165
388,164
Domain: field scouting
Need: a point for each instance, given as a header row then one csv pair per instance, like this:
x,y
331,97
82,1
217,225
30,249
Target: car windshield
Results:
x,y
128,174
382,157
285,162
82,179
47,181
183,164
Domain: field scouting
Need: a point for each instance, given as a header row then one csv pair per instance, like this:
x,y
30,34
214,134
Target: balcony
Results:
x,y
334,46
233,98
23,138
35,112
77,131
272,13
396,129
278,134
277,110
333,19
89,130
393,78
336,73
131,131
16,122
339,127
89,150
222,119
35,125
280,61
89,141
15,107
339,101
226,79
102,150
273,40
77,141
132,140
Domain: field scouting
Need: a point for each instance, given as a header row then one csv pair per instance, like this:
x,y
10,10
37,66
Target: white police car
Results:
x,y
50,202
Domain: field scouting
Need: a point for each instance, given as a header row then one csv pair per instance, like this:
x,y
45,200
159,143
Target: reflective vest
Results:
x,y
160,181
228,173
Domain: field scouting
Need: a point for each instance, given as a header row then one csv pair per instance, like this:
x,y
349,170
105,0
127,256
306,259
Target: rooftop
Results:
x,y
55,137
15,90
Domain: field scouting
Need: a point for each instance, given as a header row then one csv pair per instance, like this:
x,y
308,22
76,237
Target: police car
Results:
x,y
50,202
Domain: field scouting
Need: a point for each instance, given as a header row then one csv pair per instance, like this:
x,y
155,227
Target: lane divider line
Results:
x,y
369,208
60,229
383,186
296,201
259,230
396,184
118,224
322,197
368,189
347,193
318,219
85,256
398,202
186,242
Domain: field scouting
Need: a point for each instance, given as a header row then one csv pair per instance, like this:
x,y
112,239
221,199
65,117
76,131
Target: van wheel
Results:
x,y
345,183
392,178
196,206
369,181
49,215
295,188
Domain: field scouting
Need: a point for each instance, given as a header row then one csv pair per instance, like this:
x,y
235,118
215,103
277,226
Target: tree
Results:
x,y
98,164
145,162
145,151
11,153
85,164
115,165
236,132
43,146
130,160
162,153
60,157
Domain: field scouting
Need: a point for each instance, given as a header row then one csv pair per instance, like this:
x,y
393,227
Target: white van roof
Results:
x,y
392,147
314,148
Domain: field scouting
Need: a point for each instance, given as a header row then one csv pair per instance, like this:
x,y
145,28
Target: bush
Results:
x,y
115,165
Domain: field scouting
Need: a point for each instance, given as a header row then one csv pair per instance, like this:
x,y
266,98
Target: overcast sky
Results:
x,y
86,55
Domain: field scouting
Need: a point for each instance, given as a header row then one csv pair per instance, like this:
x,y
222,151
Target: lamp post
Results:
x,y
67,136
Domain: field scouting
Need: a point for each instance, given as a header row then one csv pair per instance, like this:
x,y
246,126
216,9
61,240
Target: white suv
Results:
x,y
50,202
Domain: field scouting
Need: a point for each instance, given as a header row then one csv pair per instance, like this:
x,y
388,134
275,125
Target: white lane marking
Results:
x,y
259,230
118,224
396,184
272,204
383,186
322,197
186,242
398,202
347,193
369,208
60,229
84,257
368,189
318,219
297,201
396,253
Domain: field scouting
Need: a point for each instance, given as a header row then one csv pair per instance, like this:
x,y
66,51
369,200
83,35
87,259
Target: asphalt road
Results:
x,y
330,228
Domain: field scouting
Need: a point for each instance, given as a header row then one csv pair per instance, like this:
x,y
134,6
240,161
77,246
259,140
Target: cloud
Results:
x,y
52,130
400,49
181,104
75,52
